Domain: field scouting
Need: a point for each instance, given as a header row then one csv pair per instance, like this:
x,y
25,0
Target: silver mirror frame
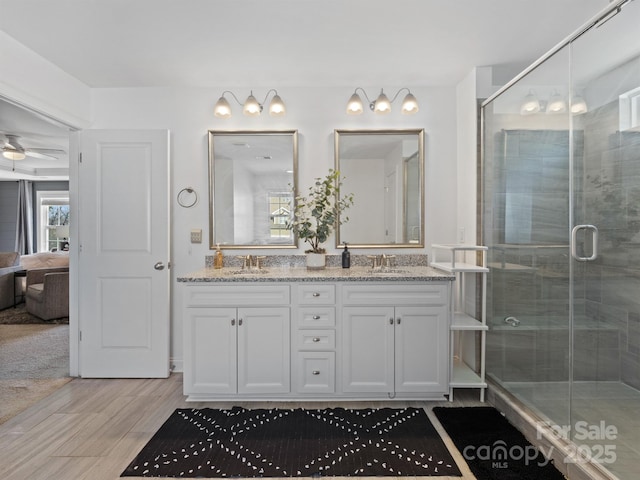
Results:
x,y
420,137
212,215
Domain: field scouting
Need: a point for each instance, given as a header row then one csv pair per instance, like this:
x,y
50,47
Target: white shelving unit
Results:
x,y
464,329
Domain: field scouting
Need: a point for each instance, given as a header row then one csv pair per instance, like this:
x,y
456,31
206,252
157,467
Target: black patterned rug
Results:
x,y
492,447
294,443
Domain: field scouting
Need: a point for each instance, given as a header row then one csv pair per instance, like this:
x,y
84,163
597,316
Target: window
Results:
x,y
279,215
53,221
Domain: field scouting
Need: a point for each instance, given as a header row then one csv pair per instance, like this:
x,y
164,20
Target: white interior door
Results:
x,y
124,281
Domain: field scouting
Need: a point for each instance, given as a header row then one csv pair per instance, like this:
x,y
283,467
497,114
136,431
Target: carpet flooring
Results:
x,y
18,315
492,447
294,443
34,362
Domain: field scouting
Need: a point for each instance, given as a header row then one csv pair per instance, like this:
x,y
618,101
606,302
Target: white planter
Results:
x,y
316,261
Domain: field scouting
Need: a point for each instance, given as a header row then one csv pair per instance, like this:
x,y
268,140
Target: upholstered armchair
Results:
x,y
47,294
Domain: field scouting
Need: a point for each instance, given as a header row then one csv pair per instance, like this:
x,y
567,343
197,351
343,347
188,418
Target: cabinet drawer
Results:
x,y
316,372
316,317
234,295
316,294
392,294
316,339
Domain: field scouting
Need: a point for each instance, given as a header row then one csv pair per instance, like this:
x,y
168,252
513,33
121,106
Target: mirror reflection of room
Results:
x,y
384,171
252,179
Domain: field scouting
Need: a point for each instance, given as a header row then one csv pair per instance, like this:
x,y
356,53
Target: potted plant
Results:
x,y
317,214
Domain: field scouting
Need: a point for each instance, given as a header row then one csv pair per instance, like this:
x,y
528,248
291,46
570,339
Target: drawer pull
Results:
x,y
316,294
316,317
316,372
316,339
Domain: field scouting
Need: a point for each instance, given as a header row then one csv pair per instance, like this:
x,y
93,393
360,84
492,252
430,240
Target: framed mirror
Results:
x,y
252,183
385,171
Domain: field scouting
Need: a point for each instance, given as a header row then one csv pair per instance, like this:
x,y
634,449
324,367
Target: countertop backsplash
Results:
x,y
333,260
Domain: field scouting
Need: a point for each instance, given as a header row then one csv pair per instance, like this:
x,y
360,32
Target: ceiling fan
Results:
x,y
13,150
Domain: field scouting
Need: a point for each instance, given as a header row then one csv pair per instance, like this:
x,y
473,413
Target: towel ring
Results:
x,y
187,197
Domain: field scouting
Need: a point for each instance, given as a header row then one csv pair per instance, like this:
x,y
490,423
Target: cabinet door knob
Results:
x,y
316,372
239,321
233,321
316,317
391,321
316,339
398,321
316,294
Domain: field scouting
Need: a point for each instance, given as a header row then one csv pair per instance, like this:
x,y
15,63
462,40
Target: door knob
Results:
x,y
159,266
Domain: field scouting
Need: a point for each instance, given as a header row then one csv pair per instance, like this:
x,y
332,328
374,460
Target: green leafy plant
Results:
x,y
317,214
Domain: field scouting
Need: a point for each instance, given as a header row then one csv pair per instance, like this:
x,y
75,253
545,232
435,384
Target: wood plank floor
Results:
x,y
92,429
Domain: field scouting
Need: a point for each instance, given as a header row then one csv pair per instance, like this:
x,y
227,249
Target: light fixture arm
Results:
x,y
398,93
233,95
275,92
372,103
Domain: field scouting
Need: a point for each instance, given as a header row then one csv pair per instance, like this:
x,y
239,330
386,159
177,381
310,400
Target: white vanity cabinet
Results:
x,y
314,348
317,339
237,339
395,338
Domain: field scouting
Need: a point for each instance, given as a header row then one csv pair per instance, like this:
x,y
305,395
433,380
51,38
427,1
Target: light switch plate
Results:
x,y
196,235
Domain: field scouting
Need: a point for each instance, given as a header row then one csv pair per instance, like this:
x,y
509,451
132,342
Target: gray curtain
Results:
x,y
24,222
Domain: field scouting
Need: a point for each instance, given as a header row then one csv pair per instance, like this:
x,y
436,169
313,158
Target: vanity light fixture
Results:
x,y
251,106
382,104
555,105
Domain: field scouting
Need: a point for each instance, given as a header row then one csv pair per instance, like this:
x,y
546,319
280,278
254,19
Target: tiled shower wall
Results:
x,y
612,202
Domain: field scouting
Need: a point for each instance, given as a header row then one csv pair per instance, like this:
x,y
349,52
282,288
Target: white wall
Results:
x,y
315,113
35,82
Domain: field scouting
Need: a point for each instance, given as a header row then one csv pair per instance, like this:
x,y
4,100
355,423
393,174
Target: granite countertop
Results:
x,y
286,273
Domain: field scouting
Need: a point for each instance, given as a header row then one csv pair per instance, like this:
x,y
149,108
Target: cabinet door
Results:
x,y
264,350
368,345
421,349
210,360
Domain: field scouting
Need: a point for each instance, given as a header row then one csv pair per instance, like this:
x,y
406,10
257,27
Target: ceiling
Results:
x,y
35,131
279,43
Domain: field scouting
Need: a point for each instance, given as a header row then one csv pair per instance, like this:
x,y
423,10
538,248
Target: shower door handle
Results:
x,y
594,243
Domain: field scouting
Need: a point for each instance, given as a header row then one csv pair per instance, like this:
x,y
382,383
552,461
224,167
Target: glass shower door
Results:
x,y
605,242
526,219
